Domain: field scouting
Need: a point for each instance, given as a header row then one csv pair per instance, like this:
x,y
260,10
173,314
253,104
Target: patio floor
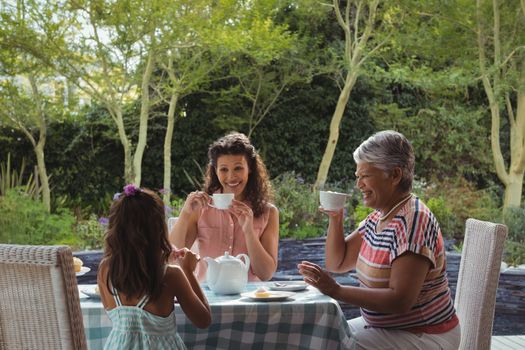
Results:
x,y
508,342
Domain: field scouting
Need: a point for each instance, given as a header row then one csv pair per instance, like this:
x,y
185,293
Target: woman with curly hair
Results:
x,y
250,225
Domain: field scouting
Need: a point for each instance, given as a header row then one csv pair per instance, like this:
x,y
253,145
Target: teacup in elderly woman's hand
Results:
x,y
332,200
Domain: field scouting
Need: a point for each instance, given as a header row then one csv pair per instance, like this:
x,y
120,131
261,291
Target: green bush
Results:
x,y
91,232
514,253
360,213
26,221
448,222
454,201
514,218
298,205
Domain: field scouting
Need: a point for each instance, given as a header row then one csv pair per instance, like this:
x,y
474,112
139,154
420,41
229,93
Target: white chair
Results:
x,y
39,302
478,279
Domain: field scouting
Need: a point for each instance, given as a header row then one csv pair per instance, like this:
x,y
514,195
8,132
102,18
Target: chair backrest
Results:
x,y
39,301
478,279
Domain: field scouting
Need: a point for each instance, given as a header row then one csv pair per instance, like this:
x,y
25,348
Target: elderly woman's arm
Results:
x,y
340,253
406,279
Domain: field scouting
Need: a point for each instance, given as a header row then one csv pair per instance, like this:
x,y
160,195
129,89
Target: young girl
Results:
x,y
249,226
137,286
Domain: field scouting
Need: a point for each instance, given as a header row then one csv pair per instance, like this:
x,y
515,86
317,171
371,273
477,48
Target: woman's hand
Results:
x,y
195,201
338,213
244,215
314,275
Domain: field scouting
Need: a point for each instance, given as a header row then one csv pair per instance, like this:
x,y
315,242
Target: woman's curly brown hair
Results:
x,y
258,190
136,244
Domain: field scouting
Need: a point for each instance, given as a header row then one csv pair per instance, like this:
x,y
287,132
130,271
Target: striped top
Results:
x,y
415,229
134,328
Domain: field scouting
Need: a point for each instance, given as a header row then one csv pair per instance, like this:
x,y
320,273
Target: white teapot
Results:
x,y
227,274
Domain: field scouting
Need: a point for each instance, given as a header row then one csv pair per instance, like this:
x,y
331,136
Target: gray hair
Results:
x,y
387,150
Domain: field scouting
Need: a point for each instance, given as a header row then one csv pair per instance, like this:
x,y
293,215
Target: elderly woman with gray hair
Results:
x,y
398,253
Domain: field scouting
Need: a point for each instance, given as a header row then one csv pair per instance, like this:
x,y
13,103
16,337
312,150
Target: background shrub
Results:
x,y
26,221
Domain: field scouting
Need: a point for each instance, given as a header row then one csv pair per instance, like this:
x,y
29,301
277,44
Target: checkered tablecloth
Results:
x,y
308,320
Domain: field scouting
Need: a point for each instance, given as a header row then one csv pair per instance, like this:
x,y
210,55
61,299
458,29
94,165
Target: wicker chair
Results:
x,y
478,279
39,301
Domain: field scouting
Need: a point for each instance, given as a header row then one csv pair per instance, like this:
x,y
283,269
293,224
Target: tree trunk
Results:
x,y
144,116
167,148
39,146
513,190
335,124
42,174
116,113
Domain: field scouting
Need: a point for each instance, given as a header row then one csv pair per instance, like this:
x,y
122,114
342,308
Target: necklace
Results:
x,y
383,217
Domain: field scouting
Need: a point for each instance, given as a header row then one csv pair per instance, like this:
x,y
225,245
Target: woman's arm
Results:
x,y
184,232
406,279
262,251
340,253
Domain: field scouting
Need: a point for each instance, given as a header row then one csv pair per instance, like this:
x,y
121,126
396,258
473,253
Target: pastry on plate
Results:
x,y
261,292
77,263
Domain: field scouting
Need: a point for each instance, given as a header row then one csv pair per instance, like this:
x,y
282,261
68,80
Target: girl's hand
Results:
x,y
188,261
314,275
244,215
176,254
195,201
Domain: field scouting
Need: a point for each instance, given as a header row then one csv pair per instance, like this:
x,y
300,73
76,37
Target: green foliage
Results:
x,y
176,206
26,221
514,218
446,218
298,207
360,213
455,200
11,178
91,233
514,253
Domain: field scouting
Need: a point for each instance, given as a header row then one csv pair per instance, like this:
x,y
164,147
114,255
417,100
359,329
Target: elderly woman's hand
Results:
x,y
314,275
338,213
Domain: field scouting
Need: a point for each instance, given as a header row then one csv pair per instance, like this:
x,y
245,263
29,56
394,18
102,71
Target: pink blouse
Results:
x,y
218,232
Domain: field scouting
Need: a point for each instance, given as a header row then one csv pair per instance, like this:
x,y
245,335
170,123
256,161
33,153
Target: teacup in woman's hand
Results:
x,y
222,200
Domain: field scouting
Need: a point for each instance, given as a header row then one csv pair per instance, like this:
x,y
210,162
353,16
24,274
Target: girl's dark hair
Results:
x,y
258,190
136,245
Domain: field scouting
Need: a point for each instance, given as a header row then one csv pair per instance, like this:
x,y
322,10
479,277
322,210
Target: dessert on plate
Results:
x,y
261,292
77,263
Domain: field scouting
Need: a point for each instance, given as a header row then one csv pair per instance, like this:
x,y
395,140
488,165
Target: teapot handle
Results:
x,y
246,260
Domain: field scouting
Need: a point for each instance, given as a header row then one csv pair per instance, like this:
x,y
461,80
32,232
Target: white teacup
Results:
x,y
332,200
222,200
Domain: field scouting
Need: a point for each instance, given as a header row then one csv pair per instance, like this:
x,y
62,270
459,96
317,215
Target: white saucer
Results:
x,y
274,296
83,271
292,286
90,292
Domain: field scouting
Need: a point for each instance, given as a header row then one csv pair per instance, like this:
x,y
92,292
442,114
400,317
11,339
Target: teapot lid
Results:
x,y
227,258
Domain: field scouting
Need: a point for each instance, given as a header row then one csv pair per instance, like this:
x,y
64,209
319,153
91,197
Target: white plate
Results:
x,y
83,271
289,286
90,292
274,296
